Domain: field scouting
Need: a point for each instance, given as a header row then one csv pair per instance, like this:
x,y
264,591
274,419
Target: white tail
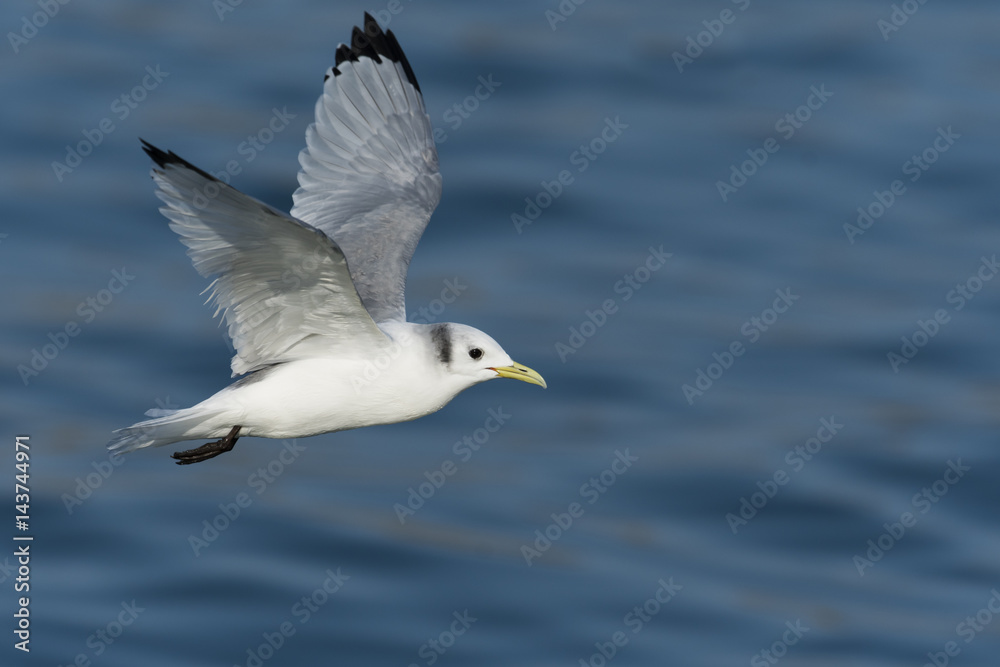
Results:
x,y
167,427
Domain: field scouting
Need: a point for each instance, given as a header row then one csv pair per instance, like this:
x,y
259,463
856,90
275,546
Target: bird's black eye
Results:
x,y
475,353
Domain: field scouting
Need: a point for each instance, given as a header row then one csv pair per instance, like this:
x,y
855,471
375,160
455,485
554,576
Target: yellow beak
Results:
x,y
518,372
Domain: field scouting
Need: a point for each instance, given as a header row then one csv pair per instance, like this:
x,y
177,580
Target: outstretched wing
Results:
x,y
369,175
283,286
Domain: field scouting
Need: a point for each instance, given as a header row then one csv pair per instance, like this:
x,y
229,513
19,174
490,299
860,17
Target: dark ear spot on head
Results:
x,y
441,337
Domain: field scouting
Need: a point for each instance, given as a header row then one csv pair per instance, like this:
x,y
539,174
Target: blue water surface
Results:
x,y
751,246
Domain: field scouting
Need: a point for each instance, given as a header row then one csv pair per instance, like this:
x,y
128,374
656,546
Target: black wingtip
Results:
x,y
371,42
154,153
394,45
162,159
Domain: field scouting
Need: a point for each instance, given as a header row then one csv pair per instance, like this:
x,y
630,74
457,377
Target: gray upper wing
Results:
x,y
369,176
283,286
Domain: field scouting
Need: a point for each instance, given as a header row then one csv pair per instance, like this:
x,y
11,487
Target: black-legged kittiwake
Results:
x,y
311,298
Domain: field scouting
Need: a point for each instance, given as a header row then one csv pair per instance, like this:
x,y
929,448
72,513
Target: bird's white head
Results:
x,y
471,354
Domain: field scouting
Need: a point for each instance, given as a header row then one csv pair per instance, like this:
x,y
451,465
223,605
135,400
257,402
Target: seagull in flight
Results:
x,y
313,300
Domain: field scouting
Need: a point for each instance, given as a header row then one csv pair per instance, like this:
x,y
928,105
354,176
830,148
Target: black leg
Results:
x,y
208,451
